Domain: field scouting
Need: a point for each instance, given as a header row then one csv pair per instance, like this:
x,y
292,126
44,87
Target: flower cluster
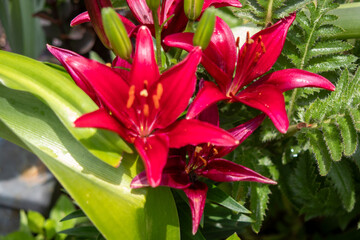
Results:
x,y
143,103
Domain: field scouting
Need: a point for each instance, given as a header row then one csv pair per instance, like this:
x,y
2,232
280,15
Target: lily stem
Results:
x,y
157,37
189,28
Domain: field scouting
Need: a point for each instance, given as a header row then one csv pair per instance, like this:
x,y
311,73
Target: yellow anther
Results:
x,y
144,93
215,151
146,84
159,90
156,101
108,64
146,110
248,39
198,149
131,98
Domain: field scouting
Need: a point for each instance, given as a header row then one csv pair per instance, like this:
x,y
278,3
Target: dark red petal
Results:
x,y
153,151
241,133
208,95
108,85
194,132
221,3
79,19
257,57
173,175
101,119
268,99
141,11
179,20
196,194
210,115
178,85
288,79
62,54
222,170
144,66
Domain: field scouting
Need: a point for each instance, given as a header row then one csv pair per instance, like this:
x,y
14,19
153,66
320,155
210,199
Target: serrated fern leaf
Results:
x,y
259,197
341,176
332,123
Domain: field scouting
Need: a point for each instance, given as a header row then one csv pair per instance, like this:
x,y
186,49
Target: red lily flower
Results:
x,y
168,8
143,108
205,161
254,59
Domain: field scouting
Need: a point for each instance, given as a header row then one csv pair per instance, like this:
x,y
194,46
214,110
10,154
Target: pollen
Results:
x,y
156,101
215,151
198,149
144,93
131,98
146,110
237,42
263,48
159,90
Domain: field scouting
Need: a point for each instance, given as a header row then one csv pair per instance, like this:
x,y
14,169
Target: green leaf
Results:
x,y
259,197
320,150
355,114
50,228
36,222
341,176
330,63
67,101
348,134
332,139
218,196
329,47
84,232
103,192
62,208
18,235
233,237
73,215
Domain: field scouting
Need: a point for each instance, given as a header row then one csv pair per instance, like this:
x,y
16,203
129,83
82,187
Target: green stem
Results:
x,y
157,37
189,28
269,12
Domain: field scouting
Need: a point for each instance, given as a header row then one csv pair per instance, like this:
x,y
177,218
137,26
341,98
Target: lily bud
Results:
x,y
193,8
205,28
153,4
116,33
94,9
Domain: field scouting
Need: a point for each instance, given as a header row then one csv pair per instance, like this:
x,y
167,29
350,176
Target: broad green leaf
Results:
x,y
341,176
50,228
218,196
36,222
348,19
348,134
320,150
259,197
67,101
332,139
103,192
84,232
233,237
18,235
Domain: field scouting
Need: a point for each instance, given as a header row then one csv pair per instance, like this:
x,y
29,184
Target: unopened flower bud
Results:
x,y
153,4
205,28
193,8
94,9
116,33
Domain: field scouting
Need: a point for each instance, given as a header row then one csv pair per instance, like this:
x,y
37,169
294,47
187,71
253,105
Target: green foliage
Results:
x,y
264,12
333,122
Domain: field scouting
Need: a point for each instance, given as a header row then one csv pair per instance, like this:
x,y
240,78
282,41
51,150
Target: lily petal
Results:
x,y
108,85
62,54
153,151
223,170
221,3
81,18
122,67
241,133
268,99
141,11
173,175
210,115
178,84
208,95
259,54
101,119
288,79
144,66
194,132
196,194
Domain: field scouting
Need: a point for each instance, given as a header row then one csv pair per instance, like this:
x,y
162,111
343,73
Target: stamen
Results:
x,y
198,149
156,101
203,160
146,110
144,93
257,56
237,42
108,64
131,98
248,39
146,84
215,151
263,48
159,90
